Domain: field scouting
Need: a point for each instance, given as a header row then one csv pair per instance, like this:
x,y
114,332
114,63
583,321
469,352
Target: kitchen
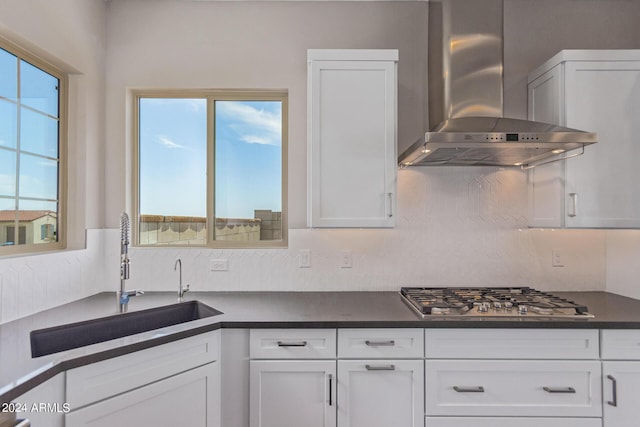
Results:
x,y
457,225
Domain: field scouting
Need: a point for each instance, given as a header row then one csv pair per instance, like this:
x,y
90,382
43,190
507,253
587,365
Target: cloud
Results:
x,y
7,185
255,126
166,142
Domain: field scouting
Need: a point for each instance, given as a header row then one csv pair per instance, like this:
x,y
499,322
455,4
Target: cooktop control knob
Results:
x,y
523,309
483,308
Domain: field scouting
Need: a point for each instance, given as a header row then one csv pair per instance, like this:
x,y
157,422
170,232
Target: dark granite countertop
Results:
x,y
19,372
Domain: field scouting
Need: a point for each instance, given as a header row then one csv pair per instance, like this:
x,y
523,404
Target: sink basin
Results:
x,y
74,335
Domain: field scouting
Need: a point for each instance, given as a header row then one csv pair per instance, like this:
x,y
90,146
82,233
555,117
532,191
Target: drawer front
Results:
x,y
98,381
620,344
511,344
380,343
292,343
512,422
513,388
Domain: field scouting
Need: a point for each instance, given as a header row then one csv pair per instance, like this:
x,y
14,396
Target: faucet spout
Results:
x,y
181,289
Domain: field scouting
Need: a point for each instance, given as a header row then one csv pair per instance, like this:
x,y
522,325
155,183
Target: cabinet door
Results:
x,y
352,143
51,395
511,422
380,393
621,398
602,185
291,393
188,399
546,182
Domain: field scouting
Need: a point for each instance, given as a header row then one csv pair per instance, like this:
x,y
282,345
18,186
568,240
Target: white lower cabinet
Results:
x,y
380,393
187,399
292,393
513,388
44,405
177,383
621,377
512,422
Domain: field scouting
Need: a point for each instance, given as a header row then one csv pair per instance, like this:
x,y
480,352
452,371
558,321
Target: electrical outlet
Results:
x,y
304,258
219,265
557,258
346,259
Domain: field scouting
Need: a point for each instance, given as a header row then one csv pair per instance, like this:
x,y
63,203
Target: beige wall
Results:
x,y
206,44
535,30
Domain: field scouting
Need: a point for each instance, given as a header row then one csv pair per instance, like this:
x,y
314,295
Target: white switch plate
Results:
x,y
304,258
557,258
346,259
219,265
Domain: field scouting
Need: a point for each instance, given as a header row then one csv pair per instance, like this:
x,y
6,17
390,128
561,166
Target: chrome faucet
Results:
x,y
123,295
181,290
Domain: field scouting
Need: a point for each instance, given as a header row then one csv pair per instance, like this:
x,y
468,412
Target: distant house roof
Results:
x,y
24,216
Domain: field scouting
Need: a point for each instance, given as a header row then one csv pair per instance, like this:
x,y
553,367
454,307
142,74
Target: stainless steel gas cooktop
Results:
x,y
510,302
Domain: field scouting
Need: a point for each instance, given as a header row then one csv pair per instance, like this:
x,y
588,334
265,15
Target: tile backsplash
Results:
x,y
455,227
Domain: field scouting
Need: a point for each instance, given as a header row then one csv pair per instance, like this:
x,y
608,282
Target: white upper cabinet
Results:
x,y
352,112
596,91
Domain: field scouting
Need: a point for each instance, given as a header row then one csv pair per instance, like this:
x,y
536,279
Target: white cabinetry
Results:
x,y
291,389
621,376
484,374
45,404
352,103
374,392
596,91
177,383
187,399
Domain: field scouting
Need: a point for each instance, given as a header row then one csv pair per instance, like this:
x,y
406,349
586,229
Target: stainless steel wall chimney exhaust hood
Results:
x,y
466,97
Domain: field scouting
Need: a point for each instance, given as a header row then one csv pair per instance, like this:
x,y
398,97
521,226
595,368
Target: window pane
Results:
x,y
8,123
9,73
38,177
37,217
38,89
173,171
7,219
7,173
248,170
38,133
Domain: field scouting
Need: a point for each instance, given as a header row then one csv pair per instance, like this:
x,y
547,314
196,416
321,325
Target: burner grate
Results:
x,y
430,301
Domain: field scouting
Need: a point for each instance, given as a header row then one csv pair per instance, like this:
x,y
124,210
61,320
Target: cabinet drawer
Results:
x,y
511,422
620,344
513,388
98,381
511,344
292,343
380,343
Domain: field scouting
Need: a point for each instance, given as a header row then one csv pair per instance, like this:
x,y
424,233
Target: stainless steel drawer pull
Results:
x,y
559,389
330,389
292,344
390,195
380,367
614,391
478,389
389,343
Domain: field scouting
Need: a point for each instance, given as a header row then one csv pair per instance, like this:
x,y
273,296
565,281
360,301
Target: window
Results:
x,y
211,168
32,123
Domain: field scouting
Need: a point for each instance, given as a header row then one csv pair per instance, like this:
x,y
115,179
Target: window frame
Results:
x,y
211,96
63,109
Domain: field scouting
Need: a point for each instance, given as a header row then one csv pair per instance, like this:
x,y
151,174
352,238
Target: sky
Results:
x,y
173,157
31,125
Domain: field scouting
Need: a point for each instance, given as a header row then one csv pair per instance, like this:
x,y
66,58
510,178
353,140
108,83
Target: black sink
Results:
x,y
74,335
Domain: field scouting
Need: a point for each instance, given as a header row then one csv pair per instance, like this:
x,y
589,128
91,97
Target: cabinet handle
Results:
x,y
478,389
380,367
574,205
614,391
559,389
292,344
23,423
389,343
390,195
330,389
